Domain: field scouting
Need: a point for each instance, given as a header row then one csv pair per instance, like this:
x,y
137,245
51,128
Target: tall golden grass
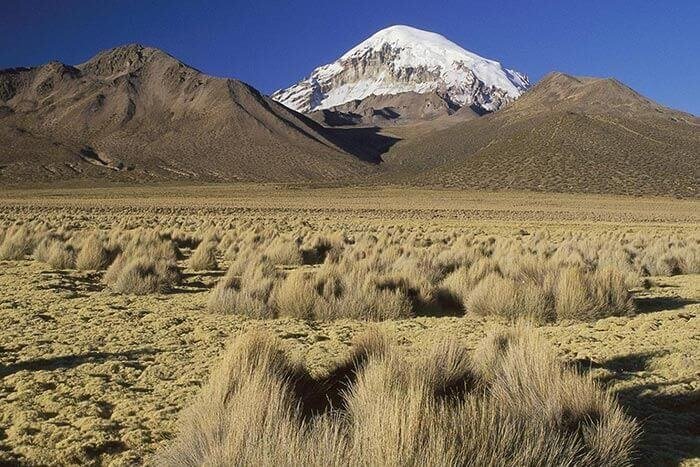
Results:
x,y
509,403
146,264
384,273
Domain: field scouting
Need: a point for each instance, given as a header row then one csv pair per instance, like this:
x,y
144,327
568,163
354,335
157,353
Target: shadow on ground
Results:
x,y
653,304
367,144
196,282
668,411
72,281
70,361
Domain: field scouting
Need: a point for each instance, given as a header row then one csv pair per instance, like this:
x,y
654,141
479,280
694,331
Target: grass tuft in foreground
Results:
x,y
509,402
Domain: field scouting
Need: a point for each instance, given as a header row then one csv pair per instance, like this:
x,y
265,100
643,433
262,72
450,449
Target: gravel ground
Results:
x,y
92,378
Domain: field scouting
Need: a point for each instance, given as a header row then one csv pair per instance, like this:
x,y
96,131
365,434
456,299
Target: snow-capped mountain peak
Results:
x,y
402,59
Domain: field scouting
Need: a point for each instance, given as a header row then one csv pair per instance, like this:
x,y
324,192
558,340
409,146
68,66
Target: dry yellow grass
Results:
x,y
55,252
107,374
204,257
514,403
141,276
387,272
147,264
284,251
16,243
245,290
95,374
295,297
93,254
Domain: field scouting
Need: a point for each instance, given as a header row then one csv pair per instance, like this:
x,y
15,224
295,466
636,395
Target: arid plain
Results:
x,y
101,352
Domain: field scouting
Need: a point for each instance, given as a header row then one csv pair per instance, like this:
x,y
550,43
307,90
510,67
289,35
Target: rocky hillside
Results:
x,y
568,134
137,114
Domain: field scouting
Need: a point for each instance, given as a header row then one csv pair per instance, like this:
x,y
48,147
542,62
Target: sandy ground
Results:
x,y
357,205
92,378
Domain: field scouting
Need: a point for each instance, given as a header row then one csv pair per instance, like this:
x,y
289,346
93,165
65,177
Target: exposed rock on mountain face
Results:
x,y
390,110
136,113
403,62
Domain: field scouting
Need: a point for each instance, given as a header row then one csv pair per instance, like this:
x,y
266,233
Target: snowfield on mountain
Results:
x,y
401,59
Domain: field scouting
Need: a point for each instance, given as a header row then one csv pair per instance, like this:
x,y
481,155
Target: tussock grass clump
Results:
x,y
284,252
147,265
380,278
511,402
376,273
204,257
567,293
540,289
181,238
16,244
56,253
318,248
260,292
591,296
375,298
461,281
141,276
295,297
496,295
247,292
526,380
94,255
666,256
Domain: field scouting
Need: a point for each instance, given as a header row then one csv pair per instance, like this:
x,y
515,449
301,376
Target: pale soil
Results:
x,y
362,205
89,377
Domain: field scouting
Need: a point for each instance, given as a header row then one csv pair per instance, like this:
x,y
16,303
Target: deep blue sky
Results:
x,y
653,46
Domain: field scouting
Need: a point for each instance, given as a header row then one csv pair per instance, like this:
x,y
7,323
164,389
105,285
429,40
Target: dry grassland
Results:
x,y
381,326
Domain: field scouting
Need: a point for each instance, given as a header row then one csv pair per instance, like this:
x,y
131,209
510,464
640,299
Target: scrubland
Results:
x,y
511,402
419,333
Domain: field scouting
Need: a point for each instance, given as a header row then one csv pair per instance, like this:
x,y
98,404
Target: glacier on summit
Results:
x,y
402,59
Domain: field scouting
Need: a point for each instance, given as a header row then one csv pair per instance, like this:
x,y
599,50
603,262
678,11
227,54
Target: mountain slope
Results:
x,y
401,60
136,113
567,134
398,109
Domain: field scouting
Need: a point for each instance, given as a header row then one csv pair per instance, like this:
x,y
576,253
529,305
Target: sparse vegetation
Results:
x,y
94,254
512,402
142,276
387,273
400,277
139,359
283,251
295,296
146,265
16,243
204,257
55,252
245,292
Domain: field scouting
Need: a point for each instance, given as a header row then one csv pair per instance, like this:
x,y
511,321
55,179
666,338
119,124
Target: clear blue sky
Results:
x,y
653,46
